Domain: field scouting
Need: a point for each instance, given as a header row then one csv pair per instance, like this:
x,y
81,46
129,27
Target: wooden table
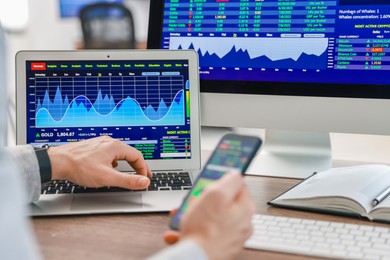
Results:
x,y
136,236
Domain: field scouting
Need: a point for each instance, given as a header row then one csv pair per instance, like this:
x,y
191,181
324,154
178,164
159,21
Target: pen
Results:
x,y
381,197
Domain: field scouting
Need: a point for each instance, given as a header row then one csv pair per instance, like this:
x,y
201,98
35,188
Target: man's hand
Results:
x,y
90,163
220,220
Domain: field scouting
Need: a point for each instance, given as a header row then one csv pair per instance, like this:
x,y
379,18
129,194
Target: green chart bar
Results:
x,y
188,103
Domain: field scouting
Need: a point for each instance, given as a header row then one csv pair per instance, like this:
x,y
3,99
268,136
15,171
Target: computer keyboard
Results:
x,y
319,238
161,181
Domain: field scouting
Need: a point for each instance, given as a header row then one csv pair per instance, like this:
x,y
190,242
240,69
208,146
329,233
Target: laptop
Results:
x,y
148,99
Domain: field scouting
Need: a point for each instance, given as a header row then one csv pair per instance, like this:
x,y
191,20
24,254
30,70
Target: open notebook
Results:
x,y
147,99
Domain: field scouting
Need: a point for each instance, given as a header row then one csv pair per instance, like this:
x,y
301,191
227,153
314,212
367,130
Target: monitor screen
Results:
x,y
293,65
342,46
71,8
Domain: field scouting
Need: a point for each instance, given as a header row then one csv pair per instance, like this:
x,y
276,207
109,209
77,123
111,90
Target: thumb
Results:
x,y
173,212
171,237
228,188
127,180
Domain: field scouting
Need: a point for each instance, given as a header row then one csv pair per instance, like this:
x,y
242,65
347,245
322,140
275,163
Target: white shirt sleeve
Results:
x,y
27,161
186,249
16,235
16,239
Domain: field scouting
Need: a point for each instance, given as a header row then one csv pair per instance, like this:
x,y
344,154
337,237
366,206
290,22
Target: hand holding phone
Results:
x,y
233,154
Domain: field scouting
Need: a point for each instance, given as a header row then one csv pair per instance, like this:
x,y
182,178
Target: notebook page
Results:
x,y
360,183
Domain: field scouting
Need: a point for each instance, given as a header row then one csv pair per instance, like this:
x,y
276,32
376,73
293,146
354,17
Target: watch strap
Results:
x,y
44,164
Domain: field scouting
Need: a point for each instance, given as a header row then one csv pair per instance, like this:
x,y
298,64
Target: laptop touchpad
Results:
x,y
106,202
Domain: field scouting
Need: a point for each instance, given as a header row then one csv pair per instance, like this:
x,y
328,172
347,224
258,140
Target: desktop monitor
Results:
x,y
300,69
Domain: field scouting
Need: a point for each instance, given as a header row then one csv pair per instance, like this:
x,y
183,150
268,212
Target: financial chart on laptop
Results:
x,y
146,99
143,103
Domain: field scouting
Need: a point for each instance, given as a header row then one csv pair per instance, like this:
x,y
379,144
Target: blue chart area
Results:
x,y
156,104
278,53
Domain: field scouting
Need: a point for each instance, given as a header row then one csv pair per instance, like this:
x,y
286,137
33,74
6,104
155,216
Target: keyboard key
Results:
x,y
51,191
165,188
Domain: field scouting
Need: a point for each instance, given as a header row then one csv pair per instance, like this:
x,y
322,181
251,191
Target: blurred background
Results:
x,y
53,25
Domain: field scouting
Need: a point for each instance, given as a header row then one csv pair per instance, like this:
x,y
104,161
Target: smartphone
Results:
x,y
233,153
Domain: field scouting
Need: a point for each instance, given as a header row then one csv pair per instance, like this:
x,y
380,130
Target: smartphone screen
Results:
x,y
233,154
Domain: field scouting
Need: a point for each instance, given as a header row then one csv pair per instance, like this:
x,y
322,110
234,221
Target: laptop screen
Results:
x,y
144,103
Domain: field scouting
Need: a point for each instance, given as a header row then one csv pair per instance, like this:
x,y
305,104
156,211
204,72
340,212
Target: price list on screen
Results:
x,y
253,18
273,39
363,54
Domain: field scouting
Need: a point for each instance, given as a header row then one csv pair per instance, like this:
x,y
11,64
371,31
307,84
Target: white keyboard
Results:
x,y
319,238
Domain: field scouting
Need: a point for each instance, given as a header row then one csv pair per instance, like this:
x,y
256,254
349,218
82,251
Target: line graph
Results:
x,y
109,101
302,53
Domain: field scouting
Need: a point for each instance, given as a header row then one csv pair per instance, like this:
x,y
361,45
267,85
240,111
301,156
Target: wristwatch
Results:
x,y
44,163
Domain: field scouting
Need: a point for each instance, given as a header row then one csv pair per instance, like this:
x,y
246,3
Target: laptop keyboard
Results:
x,y
161,181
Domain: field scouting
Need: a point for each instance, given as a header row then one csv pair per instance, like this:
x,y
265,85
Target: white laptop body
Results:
x,y
67,96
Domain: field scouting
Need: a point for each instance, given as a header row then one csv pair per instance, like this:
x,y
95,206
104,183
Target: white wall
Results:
x,y
48,31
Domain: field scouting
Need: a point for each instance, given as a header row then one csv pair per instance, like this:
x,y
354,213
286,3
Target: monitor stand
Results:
x,y
292,154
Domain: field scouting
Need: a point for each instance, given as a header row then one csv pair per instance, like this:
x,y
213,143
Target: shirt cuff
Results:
x,y
25,158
